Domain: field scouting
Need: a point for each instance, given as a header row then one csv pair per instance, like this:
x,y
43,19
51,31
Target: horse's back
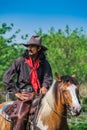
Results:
x,y
4,124
2,104
5,103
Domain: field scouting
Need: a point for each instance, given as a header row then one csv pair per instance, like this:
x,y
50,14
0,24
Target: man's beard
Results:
x,y
32,55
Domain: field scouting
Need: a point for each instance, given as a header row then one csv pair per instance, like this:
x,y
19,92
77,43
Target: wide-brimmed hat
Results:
x,y
35,40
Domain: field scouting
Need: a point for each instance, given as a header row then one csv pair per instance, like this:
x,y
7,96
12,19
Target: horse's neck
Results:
x,y
51,104
51,112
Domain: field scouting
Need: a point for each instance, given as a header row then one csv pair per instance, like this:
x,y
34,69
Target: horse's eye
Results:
x,y
67,80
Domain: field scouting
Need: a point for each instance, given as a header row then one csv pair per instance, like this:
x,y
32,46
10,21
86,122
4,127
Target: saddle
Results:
x,y
19,107
21,112
2,110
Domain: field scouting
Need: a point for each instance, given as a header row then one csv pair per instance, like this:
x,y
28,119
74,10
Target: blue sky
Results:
x,y
30,15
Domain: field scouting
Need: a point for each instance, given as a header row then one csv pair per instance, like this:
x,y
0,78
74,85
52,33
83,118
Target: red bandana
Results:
x,y
33,74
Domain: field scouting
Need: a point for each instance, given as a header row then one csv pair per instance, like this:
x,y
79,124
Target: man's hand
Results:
x,y
43,90
23,96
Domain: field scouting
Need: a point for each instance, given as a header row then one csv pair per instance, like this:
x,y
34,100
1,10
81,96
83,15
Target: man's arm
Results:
x,y
48,78
8,78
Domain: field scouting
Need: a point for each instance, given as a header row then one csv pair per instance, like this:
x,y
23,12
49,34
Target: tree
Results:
x,y
9,50
67,51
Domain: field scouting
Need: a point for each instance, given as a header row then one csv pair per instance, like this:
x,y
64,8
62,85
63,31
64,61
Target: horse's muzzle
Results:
x,y
76,111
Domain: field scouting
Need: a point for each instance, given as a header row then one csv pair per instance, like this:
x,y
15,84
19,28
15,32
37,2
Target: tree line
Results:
x,y
67,50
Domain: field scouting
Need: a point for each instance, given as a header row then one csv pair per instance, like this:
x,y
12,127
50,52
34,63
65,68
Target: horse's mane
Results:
x,y
67,78
48,100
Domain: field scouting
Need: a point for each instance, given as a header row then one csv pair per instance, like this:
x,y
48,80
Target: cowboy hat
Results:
x,y
35,40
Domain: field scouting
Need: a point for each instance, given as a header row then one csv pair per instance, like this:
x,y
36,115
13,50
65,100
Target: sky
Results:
x,y
30,15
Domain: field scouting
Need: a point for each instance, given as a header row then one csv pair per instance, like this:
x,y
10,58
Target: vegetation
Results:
x,y
9,50
78,126
67,51
79,122
67,54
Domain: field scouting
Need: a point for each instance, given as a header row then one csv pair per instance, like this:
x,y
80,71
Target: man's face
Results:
x,y
33,49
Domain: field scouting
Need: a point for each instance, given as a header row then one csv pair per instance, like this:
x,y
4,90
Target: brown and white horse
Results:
x,y
63,95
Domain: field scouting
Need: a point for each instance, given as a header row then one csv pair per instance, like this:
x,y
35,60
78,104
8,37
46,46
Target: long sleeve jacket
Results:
x,y
18,75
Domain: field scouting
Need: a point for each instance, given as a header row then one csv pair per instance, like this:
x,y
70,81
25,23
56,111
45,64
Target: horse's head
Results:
x,y
68,87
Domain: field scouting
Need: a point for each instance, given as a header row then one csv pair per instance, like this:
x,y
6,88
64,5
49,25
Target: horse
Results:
x,y
62,96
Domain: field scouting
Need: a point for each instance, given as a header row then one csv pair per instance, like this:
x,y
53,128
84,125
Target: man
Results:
x,y
32,71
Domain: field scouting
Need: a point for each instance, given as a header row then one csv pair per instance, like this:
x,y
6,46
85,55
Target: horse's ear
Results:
x,y
73,75
58,77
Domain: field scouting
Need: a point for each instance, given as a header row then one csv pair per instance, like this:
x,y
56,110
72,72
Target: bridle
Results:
x,y
67,104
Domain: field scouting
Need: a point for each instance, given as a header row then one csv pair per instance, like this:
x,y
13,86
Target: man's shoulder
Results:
x,y
19,59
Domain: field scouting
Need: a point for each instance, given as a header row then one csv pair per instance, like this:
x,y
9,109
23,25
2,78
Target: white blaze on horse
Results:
x,y
63,95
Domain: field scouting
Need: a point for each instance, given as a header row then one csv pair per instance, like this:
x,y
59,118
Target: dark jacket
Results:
x,y
18,75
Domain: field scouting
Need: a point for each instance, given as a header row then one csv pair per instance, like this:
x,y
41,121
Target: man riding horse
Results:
x,y
33,74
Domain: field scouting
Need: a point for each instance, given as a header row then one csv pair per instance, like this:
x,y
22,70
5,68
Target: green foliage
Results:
x,y
67,51
9,50
79,122
78,126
